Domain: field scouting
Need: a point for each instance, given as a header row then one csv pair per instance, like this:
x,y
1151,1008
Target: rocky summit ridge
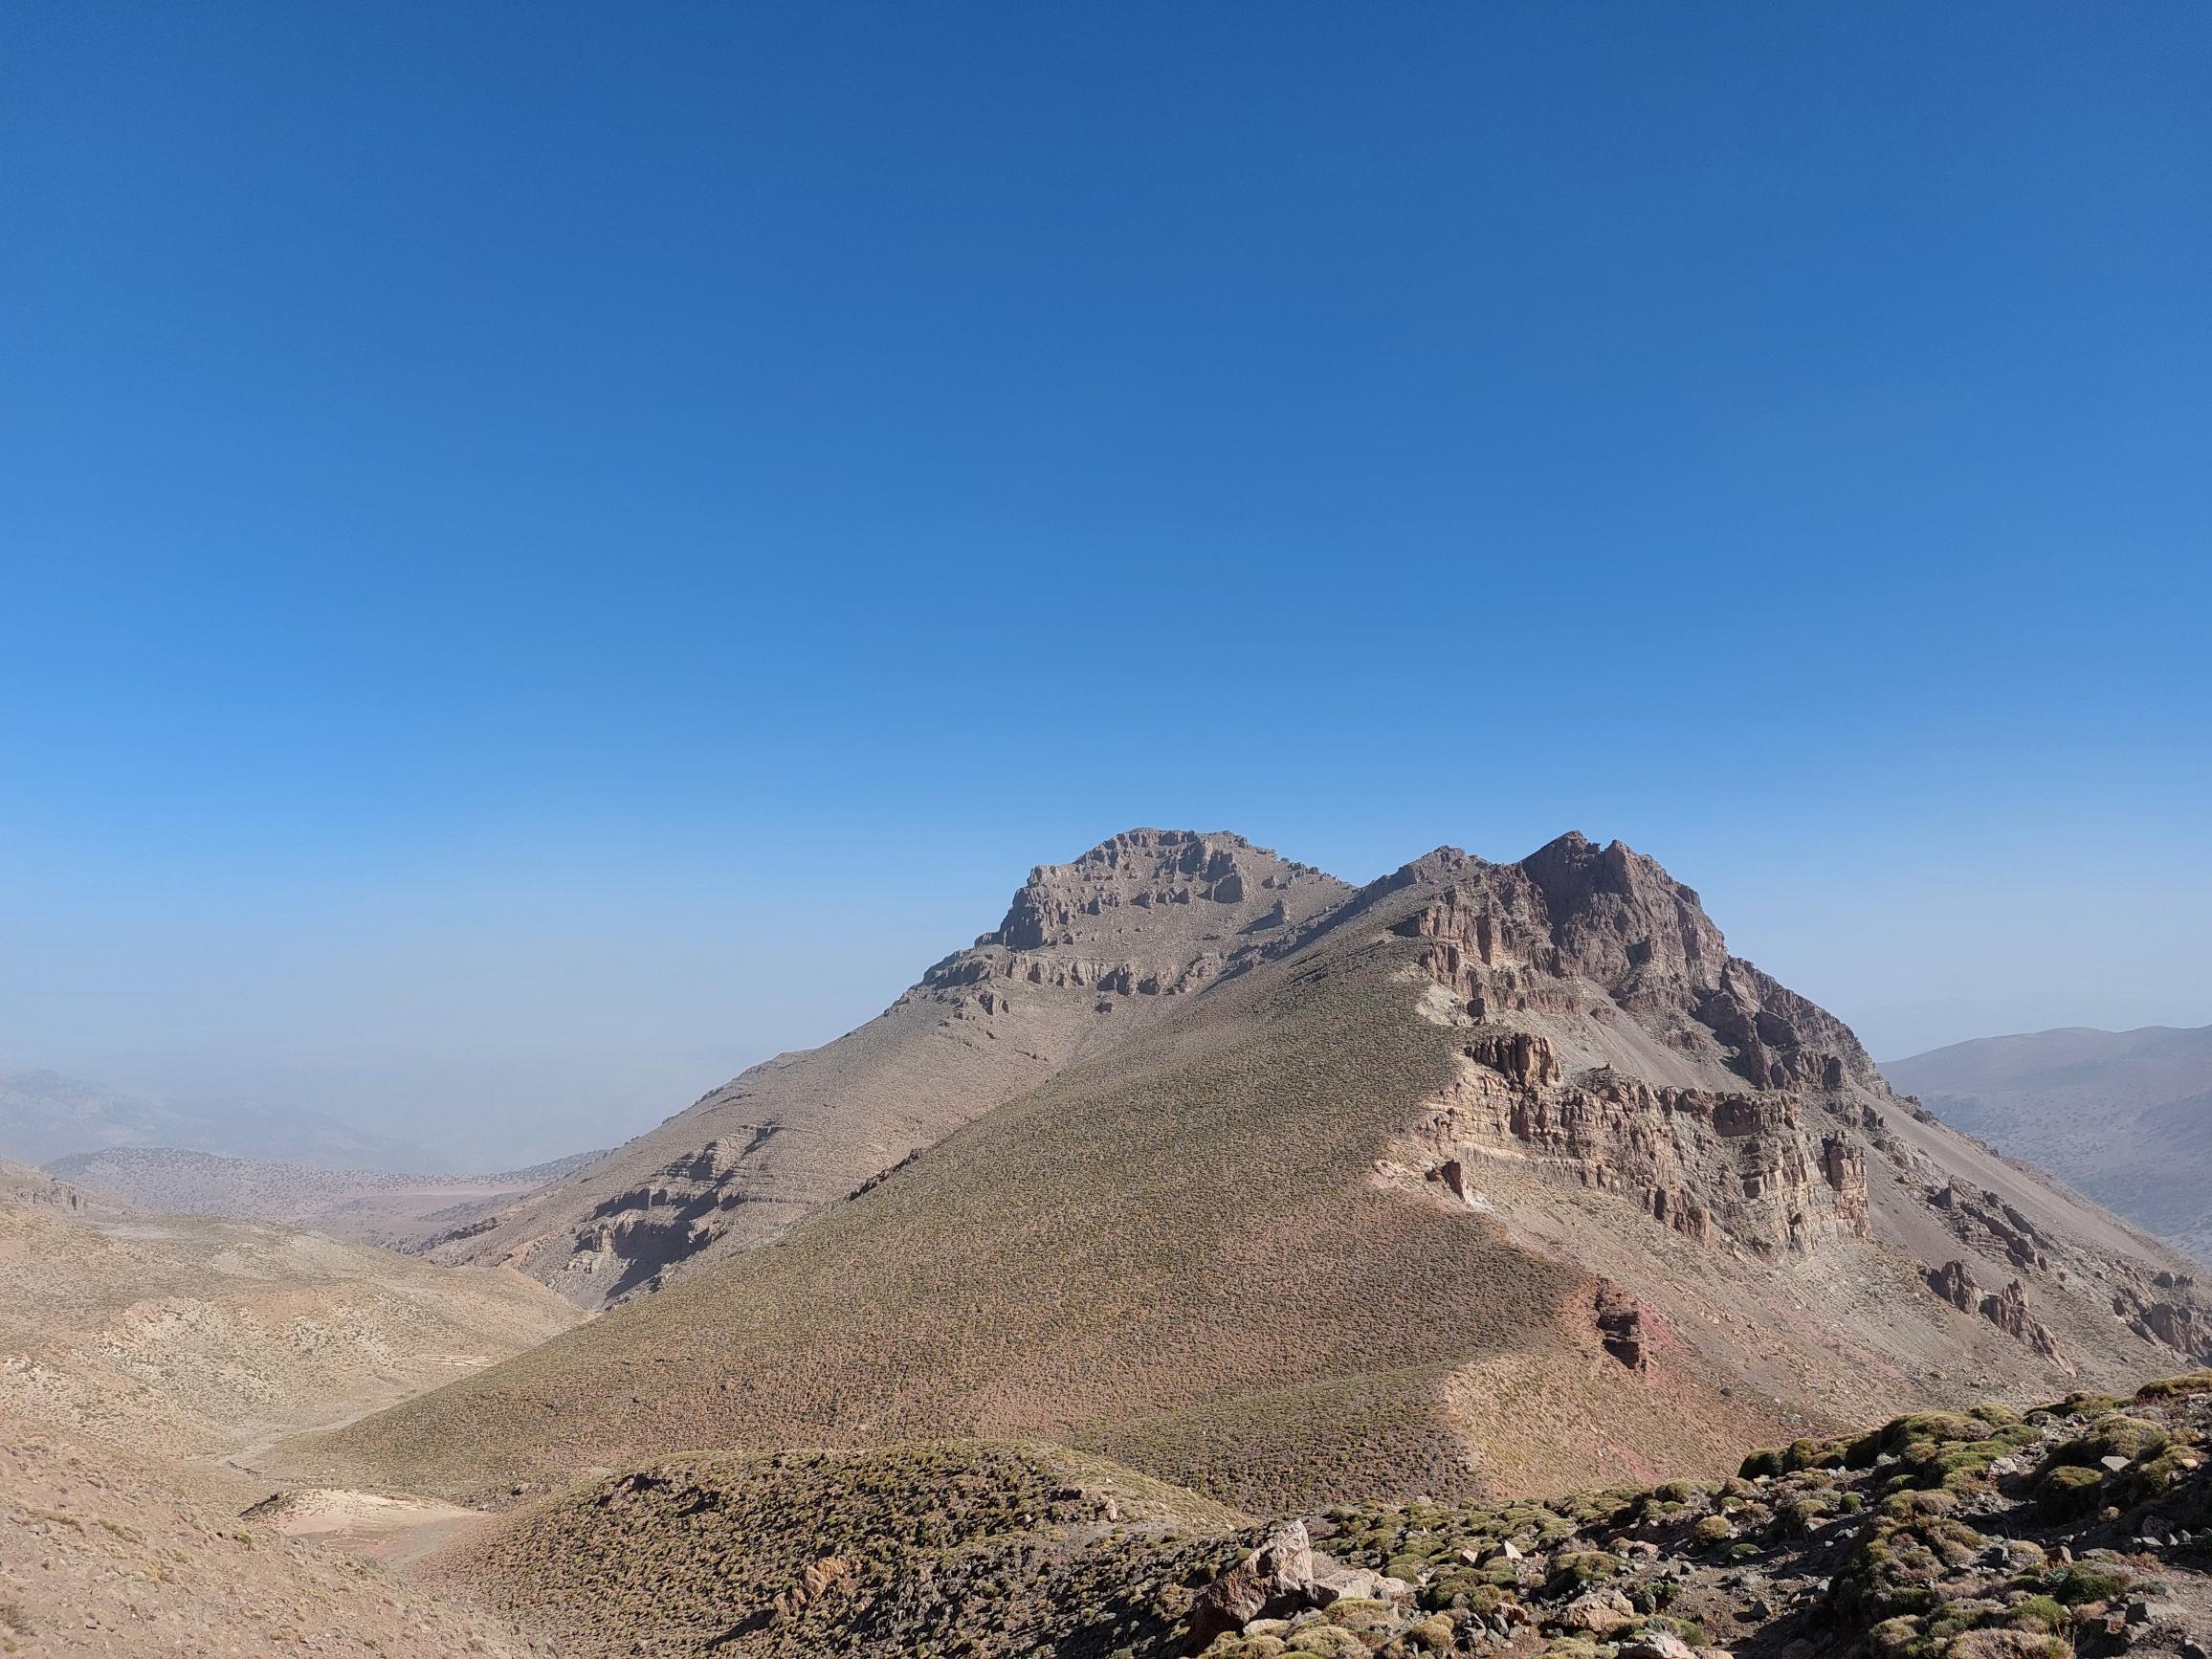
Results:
x,y
1480,1179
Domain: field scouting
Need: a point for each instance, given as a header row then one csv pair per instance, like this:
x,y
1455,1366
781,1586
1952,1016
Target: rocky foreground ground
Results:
x,y
2083,1527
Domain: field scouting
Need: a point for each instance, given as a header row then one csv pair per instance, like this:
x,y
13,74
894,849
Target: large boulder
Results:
x,y
1275,1579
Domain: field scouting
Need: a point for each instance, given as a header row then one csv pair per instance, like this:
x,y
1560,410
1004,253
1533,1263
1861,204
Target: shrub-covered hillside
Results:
x,y
2082,1527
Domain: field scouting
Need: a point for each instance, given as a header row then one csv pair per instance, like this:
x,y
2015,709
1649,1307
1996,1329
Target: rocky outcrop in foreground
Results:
x,y
2082,1527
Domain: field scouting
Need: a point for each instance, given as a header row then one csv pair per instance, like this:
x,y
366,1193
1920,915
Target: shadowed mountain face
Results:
x,y
1486,1178
2124,1116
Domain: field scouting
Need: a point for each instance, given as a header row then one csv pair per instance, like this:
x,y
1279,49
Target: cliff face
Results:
x,y
1612,1045
1693,1086
1089,953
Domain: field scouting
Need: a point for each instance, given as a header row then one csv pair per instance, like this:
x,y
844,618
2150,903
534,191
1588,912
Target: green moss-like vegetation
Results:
x,y
2068,1491
2177,1388
2044,1613
2080,1582
1579,1567
1932,1428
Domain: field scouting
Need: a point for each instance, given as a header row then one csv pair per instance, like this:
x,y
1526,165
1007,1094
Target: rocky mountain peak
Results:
x,y
1575,920
1157,883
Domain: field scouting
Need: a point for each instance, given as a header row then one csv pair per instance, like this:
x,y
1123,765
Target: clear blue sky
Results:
x,y
550,547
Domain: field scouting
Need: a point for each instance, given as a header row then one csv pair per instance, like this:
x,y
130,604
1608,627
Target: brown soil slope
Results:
x,y
101,1555
143,1358
1088,953
1492,1178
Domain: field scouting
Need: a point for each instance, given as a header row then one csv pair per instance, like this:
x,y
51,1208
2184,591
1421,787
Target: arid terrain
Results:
x,y
2081,1525
145,1363
1483,1181
369,1205
1214,1256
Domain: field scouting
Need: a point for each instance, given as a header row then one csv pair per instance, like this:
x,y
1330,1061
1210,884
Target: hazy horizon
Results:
x,y
549,553
527,1089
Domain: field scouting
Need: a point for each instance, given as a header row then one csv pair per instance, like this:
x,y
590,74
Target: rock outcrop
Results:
x,y
2173,1317
2008,1310
1283,1577
1954,1282
1620,1321
1599,950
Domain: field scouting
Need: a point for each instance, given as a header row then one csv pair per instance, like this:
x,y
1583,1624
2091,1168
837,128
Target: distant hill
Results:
x,y
2126,1116
372,1205
1485,1178
45,1116
145,1357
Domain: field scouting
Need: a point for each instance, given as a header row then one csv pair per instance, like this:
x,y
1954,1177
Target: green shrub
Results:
x,y
2039,1613
1330,1640
2068,1491
1579,1567
2177,1388
2078,1583
1360,1613
1900,1432
1432,1635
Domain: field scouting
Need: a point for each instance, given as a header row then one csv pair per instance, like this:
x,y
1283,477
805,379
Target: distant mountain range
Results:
x,y
2126,1116
45,1116
365,1206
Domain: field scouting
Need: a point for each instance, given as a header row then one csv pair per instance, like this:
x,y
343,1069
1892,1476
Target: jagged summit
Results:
x,y
1614,918
1145,870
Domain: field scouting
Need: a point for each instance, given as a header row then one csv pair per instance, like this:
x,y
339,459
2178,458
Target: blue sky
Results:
x,y
548,549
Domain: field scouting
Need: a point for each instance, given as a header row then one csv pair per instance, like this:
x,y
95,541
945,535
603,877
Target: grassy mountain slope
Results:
x,y
2126,1116
1492,1178
918,1549
1088,955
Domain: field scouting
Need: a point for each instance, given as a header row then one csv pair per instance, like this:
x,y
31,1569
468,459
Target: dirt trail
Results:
x,y
395,1528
